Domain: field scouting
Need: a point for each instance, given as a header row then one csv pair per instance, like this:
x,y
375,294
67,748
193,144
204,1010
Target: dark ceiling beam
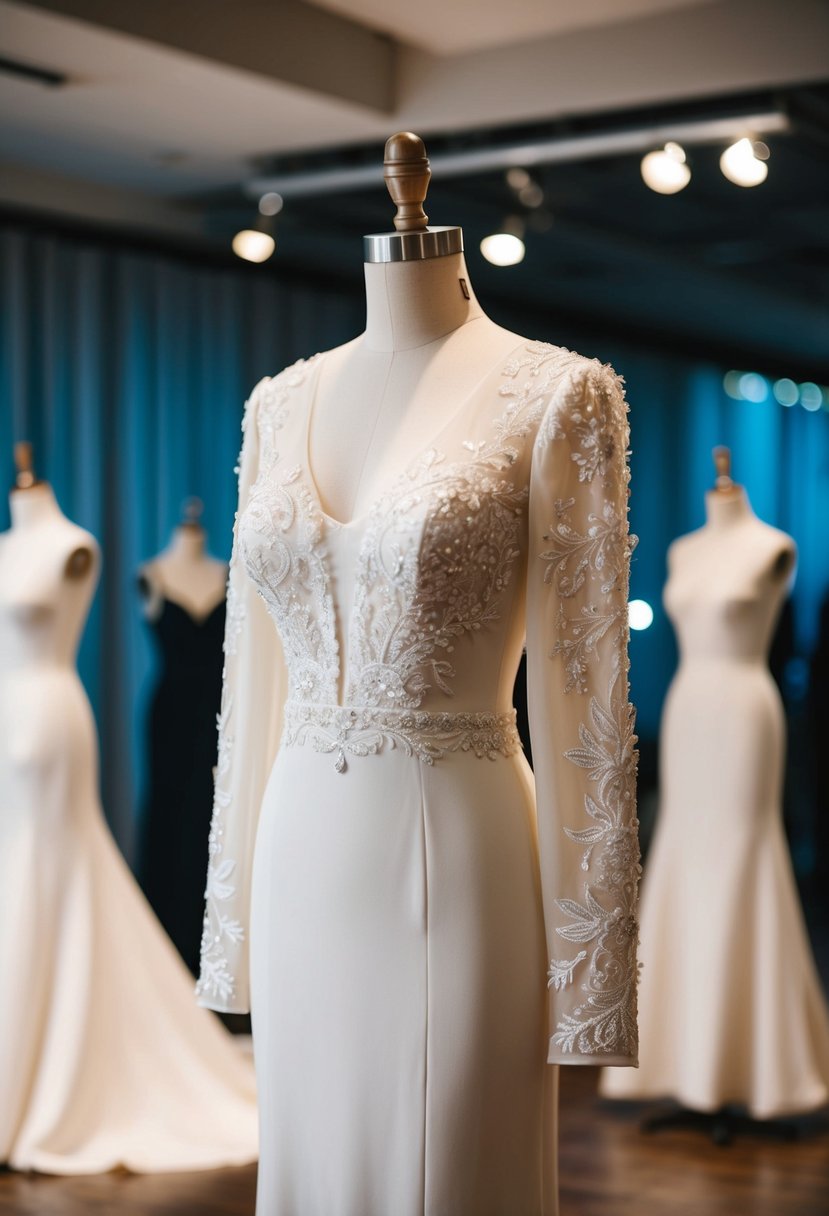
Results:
x,y
285,40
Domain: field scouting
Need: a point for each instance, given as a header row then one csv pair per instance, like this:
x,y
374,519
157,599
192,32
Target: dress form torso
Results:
x,y
44,555
727,582
384,396
184,574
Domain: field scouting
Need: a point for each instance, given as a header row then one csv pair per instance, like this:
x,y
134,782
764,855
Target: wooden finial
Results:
x,y
24,463
722,464
407,173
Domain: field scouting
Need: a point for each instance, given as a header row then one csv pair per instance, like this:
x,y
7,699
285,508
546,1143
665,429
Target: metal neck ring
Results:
x,y
412,246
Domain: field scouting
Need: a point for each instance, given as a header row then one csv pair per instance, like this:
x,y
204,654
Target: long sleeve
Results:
x,y
253,691
581,724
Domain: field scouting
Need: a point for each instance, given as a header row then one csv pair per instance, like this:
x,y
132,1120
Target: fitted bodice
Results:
x,y
189,645
417,604
42,610
724,594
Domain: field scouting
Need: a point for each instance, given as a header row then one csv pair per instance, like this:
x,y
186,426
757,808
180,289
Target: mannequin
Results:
x,y
183,592
32,502
379,878
730,1004
104,1061
184,572
383,396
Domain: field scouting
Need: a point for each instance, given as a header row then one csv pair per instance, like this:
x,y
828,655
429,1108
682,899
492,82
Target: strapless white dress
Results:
x,y
105,1059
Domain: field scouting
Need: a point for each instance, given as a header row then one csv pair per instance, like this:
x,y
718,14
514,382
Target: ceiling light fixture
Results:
x,y
741,164
665,170
511,158
252,245
270,203
505,247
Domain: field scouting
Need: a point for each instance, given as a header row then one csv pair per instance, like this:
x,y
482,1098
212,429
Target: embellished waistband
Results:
x,y
358,730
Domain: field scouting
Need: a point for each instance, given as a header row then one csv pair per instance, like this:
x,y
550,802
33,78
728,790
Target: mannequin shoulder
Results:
x,y
82,553
777,552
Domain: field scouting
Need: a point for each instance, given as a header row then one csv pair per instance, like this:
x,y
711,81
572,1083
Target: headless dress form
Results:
x,y
379,879
104,1059
731,1010
184,605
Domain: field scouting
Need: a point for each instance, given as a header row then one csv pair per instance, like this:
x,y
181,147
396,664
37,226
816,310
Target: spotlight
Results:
x,y
270,203
505,248
640,614
253,245
741,164
665,171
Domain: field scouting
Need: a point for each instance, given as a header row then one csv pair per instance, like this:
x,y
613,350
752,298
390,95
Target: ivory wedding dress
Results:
x,y
731,1010
104,1059
399,886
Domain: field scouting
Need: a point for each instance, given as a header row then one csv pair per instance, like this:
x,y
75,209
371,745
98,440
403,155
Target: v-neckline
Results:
x,y
389,484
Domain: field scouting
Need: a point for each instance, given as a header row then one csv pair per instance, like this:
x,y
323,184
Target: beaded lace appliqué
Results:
x,y
423,588
343,730
271,507
591,562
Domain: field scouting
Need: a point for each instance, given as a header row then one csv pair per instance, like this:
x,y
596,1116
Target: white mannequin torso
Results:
x,y
48,569
734,560
185,574
381,398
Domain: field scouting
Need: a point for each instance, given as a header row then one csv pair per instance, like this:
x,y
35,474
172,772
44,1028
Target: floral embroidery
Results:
x,y
221,928
281,542
441,548
593,563
365,731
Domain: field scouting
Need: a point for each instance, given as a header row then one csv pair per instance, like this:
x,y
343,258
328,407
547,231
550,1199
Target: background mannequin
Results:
x,y
731,1010
184,590
104,1060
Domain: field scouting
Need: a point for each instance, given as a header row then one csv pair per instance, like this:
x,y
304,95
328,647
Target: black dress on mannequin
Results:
x,y
182,753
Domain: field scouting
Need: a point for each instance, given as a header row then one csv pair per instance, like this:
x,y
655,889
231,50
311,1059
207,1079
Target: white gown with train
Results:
x,y
398,913
731,1010
105,1060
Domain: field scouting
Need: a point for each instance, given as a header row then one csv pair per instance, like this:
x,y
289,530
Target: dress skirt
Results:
x,y
398,998
730,1006
105,1061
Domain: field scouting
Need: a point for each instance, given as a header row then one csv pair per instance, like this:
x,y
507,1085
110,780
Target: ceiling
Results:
x,y
166,111
472,25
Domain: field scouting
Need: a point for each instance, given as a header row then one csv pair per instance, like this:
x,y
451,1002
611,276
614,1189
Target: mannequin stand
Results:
x,y
723,1126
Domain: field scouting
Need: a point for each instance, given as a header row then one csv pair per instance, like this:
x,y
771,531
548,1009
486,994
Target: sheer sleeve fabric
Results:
x,y
581,723
253,692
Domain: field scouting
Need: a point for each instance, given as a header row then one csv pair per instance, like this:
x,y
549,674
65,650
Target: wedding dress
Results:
x,y
104,1059
731,1010
398,881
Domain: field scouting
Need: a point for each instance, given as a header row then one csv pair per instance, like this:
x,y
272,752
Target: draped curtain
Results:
x,y
128,370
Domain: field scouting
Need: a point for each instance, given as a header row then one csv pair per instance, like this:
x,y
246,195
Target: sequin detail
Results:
x,y
343,731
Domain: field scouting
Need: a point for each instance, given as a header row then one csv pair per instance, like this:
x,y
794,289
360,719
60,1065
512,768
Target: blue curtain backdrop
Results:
x,y
128,370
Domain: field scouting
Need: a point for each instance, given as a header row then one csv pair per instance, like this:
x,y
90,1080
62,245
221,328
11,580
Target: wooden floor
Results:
x,y
608,1168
